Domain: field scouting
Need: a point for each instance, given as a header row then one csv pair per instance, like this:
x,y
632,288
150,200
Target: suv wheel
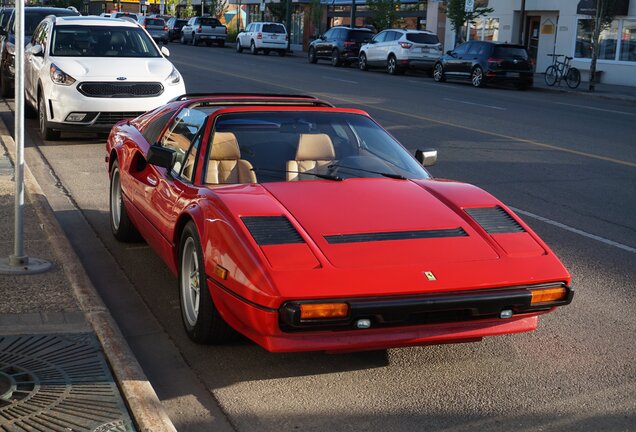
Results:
x,y
239,48
477,77
182,39
253,49
392,66
311,56
46,132
194,40
438,73
335,58
362,62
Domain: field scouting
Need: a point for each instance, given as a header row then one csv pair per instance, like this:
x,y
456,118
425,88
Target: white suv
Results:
x,y
398,50
263,36
88,73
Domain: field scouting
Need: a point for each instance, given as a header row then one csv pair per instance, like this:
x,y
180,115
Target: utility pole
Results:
x,y
288,15
522,28
353,14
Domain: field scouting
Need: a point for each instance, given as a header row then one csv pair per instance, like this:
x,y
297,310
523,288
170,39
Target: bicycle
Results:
x,y
560,69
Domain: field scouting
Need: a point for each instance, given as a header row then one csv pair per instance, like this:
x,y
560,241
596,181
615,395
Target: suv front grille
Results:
x,y
120,90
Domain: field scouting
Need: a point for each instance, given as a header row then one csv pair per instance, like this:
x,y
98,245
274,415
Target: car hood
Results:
x,y
109,69
381,222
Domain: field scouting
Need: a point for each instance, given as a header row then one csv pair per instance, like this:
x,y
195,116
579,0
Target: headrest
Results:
x,y
225,147
315,147
117,39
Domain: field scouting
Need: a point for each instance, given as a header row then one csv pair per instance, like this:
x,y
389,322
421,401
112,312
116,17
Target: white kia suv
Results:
x,y
88,73
398,50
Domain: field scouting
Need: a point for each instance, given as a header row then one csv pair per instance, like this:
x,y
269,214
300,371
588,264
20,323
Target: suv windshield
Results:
x,y
359,35
346,146
106,41
510,52
423,38
273,28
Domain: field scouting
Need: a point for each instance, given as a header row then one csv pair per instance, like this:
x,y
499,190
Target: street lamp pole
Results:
x,y
353,14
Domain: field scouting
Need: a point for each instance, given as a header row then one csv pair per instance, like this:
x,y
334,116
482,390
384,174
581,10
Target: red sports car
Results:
x,y
309,227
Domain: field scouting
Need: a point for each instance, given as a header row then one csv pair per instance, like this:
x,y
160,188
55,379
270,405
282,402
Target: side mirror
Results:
x,y
165,51
161,156
426,157
450,53
36,50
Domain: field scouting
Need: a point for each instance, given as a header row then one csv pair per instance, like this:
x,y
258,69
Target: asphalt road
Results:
x,y
566,162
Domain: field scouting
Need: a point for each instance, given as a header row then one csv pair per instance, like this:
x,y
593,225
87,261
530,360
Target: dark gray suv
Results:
x,y
340,45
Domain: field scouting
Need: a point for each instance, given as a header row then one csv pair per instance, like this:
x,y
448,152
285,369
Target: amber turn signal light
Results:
x,y
547,295
323,310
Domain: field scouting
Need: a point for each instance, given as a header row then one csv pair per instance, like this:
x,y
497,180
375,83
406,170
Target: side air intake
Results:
x,y
400,235
272,230
495,220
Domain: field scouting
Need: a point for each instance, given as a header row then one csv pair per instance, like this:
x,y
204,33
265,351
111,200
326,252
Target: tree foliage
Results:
x,y
316,16
278,11
215,8
458,17
383,13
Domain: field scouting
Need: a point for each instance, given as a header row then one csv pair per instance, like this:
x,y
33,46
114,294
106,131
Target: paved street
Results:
x,y
565,162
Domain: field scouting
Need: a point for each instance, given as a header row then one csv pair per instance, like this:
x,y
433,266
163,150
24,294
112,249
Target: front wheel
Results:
x,y
551,75
120,224
311,56
46,132
362,62
438,73
335,58
201,319
477,77
253,49
239,48
392,66
194,40
573,78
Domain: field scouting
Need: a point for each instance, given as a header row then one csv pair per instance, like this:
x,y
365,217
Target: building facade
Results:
x,y
563,27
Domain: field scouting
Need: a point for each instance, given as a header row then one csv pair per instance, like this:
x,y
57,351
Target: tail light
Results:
x,y
165,27
495,61
349,44
200,29
144,26
259,36
406,45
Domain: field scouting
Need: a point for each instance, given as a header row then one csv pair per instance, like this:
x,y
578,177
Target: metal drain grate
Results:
x,y
58,383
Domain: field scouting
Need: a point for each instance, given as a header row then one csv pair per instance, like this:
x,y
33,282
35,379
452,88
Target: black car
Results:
x,y
484,62
32,17
341,45
174,28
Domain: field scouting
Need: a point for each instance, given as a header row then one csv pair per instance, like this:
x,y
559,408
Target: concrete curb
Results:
x,y
145,407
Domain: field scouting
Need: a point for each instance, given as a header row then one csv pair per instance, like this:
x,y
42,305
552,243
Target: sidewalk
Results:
x,y
605,91
58,342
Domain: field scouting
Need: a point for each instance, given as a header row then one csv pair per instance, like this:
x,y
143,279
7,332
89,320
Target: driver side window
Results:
x,y
182,132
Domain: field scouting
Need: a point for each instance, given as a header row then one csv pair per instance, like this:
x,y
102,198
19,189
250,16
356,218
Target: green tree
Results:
x,y
215,8
278,11
316,16
603,17
458,17
383,13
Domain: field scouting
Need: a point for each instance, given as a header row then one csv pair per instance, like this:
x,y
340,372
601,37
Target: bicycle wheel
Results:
x,y
573,78
551,75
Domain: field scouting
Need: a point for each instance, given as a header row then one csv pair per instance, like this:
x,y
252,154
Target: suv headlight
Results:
x,y
174,77
58,76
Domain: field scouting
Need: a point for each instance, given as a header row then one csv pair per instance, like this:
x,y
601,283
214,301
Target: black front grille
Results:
x,y
399,235
495,220
110,118
120,90
272,230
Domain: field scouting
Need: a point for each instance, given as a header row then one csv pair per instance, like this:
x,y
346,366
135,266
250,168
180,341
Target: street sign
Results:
x,y
469,6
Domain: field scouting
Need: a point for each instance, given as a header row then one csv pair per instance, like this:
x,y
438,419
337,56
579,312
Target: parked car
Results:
x,y
484,62
104,15
264,37
204,29
340,45
130,16
382,255
174,28
397,50
32,17
87,73
156,28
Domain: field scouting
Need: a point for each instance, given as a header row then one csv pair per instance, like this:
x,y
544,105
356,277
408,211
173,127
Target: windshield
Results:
x,y
310,145
101,41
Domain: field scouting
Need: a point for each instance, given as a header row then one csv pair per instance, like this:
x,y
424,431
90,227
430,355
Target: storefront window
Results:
x,y
607,43
628,41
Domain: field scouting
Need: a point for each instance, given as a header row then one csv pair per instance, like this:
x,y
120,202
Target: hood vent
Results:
x,y
272,230
495,220
400,235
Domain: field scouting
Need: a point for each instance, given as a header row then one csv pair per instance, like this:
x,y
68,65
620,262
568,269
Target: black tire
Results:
x,y
194,40
46,132
239,48
573,78
205,325
253,49
392,66
362,62
477,77
438,73
551,75
282,53
182,39
6,87
120,224
335,58
311,55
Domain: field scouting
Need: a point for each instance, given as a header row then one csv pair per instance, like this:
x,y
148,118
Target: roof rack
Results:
x,y
274,98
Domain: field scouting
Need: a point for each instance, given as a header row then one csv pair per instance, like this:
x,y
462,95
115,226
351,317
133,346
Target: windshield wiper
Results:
x,y
322,176
389,175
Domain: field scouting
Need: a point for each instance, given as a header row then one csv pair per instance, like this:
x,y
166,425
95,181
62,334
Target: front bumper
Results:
x,y
395,321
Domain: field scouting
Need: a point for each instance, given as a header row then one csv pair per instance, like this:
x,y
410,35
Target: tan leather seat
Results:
x,y
314,150
225,164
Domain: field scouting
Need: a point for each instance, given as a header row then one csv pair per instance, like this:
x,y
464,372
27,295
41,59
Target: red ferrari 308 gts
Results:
x,y
309,227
